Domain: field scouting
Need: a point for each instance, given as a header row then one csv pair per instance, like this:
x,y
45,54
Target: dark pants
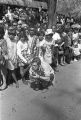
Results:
x,y
68,54
55,57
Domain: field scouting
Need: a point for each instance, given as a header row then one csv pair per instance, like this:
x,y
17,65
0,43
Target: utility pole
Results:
x,y
51,12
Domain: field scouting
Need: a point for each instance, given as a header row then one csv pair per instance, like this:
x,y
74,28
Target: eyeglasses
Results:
x,y
14,25
19,24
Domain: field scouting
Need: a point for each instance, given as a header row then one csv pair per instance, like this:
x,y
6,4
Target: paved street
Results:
x,y
63,102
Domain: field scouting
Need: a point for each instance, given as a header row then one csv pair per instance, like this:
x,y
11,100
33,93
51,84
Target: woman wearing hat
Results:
x,y
46,46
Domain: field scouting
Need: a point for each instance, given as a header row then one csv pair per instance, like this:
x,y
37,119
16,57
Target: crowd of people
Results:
x,y
27,45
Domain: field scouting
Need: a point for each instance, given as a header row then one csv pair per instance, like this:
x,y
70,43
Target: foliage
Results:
x,y
68,7
72,7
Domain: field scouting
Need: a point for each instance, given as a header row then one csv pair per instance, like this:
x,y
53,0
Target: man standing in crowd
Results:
x,y
56,38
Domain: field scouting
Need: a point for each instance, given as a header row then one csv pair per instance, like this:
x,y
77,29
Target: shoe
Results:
x,y
3,87
72,61
75,60
25,81
17,85
62,64
56,69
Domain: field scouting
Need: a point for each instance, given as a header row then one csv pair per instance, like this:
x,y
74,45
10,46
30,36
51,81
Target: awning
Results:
x,y
29,3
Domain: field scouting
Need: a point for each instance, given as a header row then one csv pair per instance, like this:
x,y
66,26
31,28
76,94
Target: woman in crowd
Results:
x,y
41,73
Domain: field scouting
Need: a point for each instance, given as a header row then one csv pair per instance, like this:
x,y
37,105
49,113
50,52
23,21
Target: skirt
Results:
x,y
11,65
26,56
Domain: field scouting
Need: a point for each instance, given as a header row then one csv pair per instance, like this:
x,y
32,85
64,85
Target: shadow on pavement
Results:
x,y
73,95
78,90
53,112
63,92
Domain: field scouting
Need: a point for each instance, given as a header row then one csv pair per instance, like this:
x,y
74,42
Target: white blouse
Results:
x,y
20,47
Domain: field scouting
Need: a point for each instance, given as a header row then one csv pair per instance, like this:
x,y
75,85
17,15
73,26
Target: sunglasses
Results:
x,y
11,34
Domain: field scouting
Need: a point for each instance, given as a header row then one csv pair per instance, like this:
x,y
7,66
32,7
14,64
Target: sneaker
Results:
x,y
62,64
72,61
56,69
75,60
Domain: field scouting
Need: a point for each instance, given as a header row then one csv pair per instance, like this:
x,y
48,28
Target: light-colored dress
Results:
x,y
48,51
23,53
12,53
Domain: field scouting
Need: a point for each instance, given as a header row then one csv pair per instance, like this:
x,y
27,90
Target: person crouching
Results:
x,y
39,74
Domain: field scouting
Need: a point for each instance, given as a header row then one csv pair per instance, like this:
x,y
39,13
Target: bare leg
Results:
x,y
22,75
64,59
61,61
14,77
4,81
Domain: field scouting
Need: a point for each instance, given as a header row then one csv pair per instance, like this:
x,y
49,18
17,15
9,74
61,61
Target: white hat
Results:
x,y
48,31
19,22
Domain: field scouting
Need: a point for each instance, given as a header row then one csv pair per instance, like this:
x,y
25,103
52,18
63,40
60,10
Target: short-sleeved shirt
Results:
x,y
45,70
56,37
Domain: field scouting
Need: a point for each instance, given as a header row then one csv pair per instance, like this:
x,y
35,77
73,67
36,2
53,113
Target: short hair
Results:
x,y
37,60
